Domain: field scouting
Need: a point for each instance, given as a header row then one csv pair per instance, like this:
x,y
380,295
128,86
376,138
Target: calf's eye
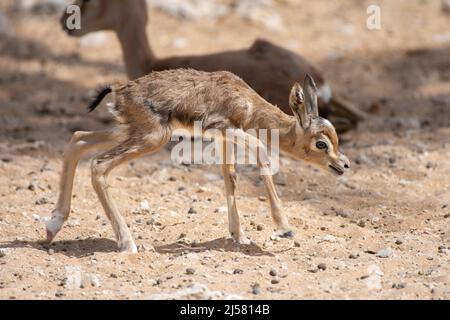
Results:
x,y
321,145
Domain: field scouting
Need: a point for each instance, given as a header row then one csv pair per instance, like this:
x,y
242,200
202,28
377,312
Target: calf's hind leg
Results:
x,y
104,164
80,144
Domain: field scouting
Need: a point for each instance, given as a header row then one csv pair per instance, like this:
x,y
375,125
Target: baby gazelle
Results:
x,y
150,108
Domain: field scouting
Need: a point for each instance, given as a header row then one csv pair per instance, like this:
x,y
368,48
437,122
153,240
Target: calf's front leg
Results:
x,y
282,227
236,232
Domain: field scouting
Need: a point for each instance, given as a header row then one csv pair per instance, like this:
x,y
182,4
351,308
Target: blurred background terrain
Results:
x,y
380,232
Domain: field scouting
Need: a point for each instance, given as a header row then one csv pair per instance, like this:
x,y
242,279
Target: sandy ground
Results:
x,y
381,231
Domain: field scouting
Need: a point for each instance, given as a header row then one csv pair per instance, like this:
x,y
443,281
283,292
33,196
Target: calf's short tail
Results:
x,y
101,94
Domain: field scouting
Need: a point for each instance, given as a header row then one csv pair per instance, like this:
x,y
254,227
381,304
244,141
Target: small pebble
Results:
x,y
274,281
353,256
398,242
256,288
192,211
95,281
190,271
385,253
259,227
41,201
51,252
262,198
400,285
296,244
273,272
238,271
113,275
322,266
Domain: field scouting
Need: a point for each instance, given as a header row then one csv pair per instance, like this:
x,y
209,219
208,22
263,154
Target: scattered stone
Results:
x,y
398,242
195,292
192,211
362,159
59,294
420,147
113,275
370,251
431,165
259,227
262,198
181,188
385,253
354,256
296,244
400,285
273,272
73,278
51,252
361,223
190,271
145,248
322,266
144,206
238,271
329,238
275,281
42,201
95,281
45,167
373,277
31,187
256,288
340,212
222,209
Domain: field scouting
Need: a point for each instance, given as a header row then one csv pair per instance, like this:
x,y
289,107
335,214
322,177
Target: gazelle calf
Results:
x,y
150,108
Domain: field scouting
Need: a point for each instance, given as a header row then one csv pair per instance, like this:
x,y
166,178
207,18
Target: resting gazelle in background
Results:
x,y
267,68
150,108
